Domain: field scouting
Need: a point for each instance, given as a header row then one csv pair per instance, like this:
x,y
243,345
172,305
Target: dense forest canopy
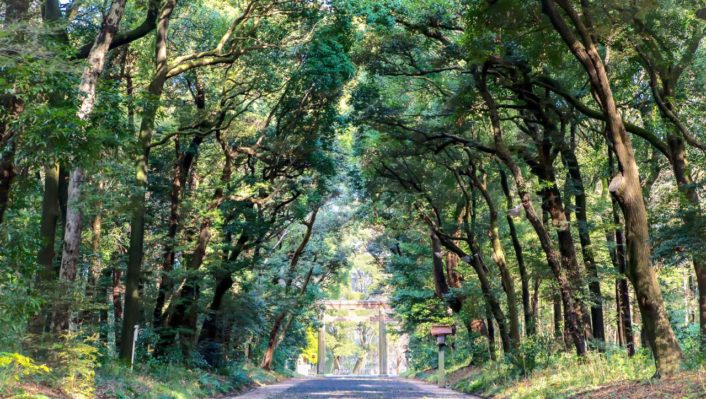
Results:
x,y
181,183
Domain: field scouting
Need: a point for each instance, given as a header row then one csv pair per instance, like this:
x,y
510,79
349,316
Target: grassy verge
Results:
x,y
156,381
563,375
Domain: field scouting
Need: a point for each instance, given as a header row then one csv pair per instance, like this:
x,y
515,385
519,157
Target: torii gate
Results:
x,y
382,318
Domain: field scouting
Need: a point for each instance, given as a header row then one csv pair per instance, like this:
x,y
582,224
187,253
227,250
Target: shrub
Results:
x,y
14,368
77,359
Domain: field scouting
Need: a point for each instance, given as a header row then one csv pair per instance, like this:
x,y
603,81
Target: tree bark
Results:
x,y
476,261
663,80
542,166
692,218
128,37
8,146
272,341
184,314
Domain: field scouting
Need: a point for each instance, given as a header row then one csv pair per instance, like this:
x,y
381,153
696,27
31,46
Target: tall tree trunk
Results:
x,y
664,77
209,339
554,206
55,187
359,363
111,340
625,186
137,223
272,341
580,209
530,328
453,277
87,95
476,261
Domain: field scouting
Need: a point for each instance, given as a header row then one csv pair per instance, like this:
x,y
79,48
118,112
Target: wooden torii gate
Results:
x,y
382,318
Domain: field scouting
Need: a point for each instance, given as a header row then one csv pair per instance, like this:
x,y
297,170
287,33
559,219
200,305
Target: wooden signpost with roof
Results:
x,y
440,332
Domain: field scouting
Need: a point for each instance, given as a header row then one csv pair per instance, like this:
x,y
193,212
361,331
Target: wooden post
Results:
x,y
442,371
382,342
321,358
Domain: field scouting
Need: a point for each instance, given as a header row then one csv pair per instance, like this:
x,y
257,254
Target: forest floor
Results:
x,y
685,385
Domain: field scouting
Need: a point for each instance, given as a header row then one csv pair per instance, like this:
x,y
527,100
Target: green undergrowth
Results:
x,y
558,375
21,378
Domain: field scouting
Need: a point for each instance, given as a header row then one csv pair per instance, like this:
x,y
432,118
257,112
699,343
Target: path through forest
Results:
x,y
353,387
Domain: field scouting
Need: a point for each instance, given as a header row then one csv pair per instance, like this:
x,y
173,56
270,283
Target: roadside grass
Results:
x,y
561,376
147,381
553,376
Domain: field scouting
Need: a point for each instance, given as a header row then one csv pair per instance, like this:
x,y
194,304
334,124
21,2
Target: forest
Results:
x,y
183,182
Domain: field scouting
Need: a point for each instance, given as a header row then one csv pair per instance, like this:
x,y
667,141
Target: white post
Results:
x,y
134,344
321,358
